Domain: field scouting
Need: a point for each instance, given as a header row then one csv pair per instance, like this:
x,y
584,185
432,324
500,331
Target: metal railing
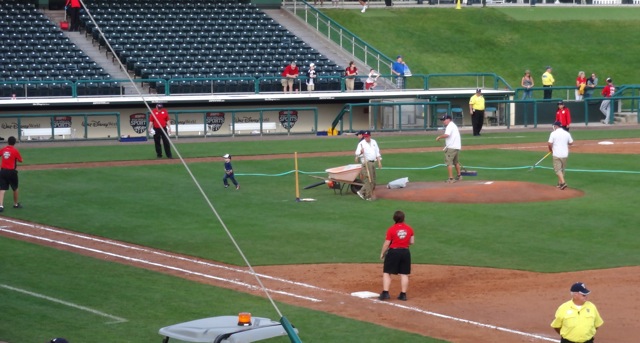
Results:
x,y
336,33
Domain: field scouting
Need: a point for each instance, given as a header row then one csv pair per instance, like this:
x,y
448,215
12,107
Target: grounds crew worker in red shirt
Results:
x,y
563,115
9,173
396,256
159,119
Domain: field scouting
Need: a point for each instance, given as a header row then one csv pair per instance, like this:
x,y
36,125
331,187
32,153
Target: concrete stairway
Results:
x,y
321,44
626,118
99,56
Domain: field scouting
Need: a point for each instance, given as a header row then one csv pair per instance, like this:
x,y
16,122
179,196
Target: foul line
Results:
x,y
116,320
142,261
209,264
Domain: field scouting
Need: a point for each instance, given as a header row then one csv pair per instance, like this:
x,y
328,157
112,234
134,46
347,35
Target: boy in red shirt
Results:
x,y
8,173
563,115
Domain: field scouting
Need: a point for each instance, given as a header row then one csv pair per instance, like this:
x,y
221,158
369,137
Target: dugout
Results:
x,y
298,113
544,112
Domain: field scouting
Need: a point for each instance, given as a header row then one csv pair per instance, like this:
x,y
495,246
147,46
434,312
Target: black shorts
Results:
x,y
397,261
8,178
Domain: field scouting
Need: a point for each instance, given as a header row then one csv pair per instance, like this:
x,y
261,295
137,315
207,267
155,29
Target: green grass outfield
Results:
x,y
159,206
505,40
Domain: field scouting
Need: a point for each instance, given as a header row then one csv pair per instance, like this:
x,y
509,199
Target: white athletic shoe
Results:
x,y
364,8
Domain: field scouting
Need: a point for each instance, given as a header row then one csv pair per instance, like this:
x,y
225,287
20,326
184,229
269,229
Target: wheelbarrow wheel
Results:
x,y
356,188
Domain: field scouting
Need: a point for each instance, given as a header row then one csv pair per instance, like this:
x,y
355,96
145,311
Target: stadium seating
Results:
x,y
241,39
36,53
198,40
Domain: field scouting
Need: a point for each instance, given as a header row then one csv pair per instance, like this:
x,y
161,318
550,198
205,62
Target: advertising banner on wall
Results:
x,y
138,122
215,120
288,119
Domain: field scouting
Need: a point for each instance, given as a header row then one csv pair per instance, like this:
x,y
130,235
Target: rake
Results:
x,y
465,172
542,159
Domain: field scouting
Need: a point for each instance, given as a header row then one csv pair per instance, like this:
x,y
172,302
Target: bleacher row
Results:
x,y
217,46
173,40
38,60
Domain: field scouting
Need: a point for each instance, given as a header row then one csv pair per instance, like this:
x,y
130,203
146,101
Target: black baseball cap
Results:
x,y
446,116
580,288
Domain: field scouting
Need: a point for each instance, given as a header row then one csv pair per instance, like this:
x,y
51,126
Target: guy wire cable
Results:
x,y
184,163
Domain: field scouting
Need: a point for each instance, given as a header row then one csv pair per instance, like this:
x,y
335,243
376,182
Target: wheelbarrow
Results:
x,y
339,178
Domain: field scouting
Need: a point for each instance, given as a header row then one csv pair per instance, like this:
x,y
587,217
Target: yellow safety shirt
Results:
x,y
477,102
547,79
577,325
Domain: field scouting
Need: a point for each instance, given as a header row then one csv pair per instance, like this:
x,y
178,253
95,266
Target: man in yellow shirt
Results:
x,y
548,81
578,319
476,108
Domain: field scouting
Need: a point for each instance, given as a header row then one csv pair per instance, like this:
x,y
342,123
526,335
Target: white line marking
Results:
x,y
466,321
116,320
138,260
122,245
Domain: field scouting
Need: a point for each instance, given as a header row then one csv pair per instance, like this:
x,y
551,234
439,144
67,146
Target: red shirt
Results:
x,y
608,90
73,3
351,71
563,116
10,157
161,117
581,80
400,236
291,71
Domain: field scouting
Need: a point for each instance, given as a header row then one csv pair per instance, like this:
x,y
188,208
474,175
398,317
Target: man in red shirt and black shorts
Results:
x,y
159,120
9,173
396,256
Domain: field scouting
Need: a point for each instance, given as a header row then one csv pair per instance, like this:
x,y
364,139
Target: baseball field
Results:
x,y
111,244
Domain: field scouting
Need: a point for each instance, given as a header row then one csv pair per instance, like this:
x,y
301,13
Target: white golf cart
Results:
x,y
224,329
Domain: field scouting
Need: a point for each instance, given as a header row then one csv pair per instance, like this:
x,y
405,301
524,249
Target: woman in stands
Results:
x,y
350,76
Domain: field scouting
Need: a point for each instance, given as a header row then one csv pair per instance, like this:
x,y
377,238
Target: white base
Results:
x,y
365,294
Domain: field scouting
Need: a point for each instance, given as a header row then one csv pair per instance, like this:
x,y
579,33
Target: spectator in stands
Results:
x,y
547,82
581,84
311,77
160,129
58,340
350,76
73,9
527,83
289,75
397,68
592,82
372,80
605,107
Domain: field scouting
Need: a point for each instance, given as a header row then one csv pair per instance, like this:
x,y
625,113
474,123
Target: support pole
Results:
x,y
297,183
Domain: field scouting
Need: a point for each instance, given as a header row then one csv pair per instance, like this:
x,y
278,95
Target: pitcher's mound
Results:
x,y
477,192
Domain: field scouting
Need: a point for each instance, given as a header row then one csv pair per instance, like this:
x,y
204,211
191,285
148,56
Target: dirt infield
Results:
x,y
470,192
455,303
